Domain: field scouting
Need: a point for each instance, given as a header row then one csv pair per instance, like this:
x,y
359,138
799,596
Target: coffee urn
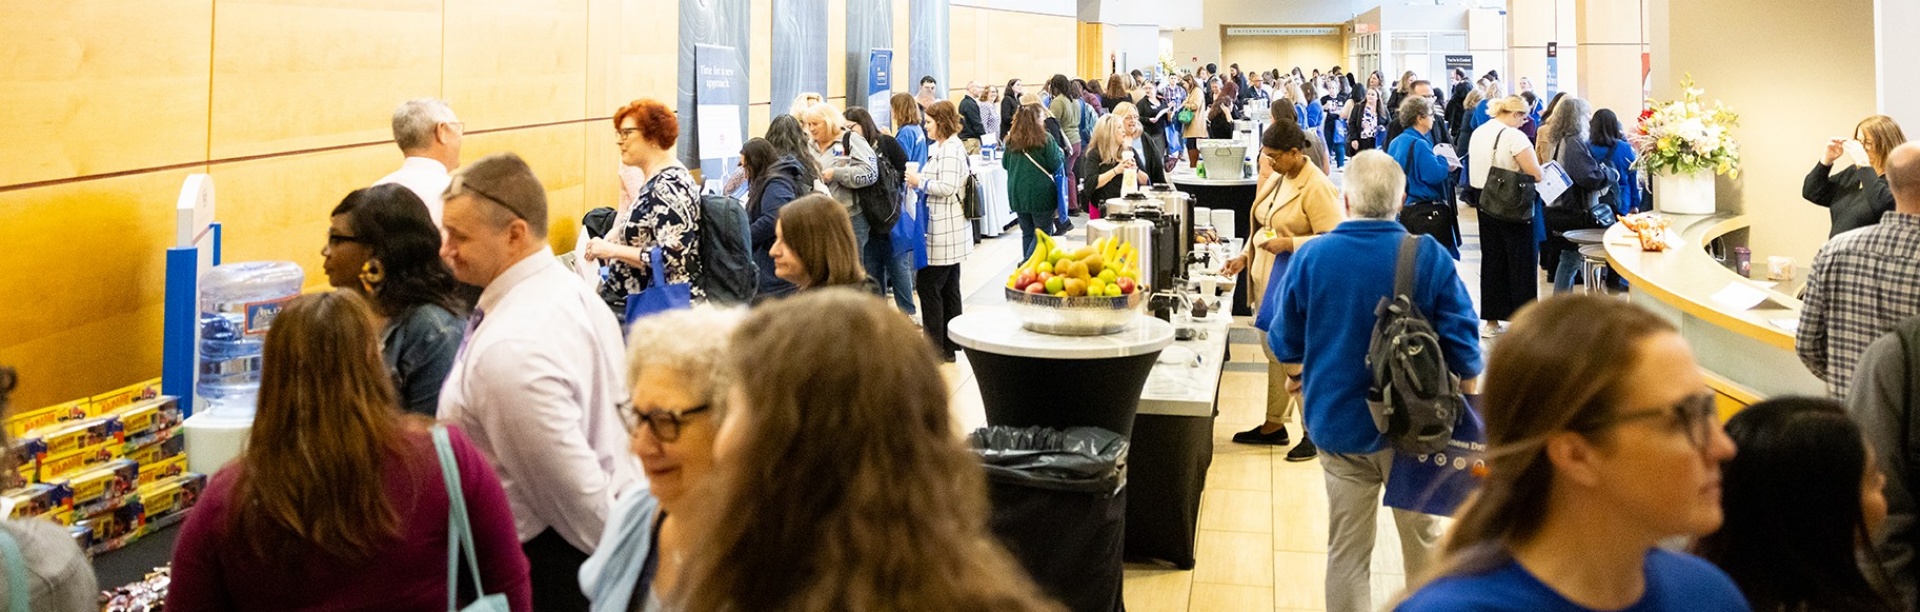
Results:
x,y
1179,205
1163,264
1122,224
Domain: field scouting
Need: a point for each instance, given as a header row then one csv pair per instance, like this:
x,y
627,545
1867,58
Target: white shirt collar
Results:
x,y
424,164
514,275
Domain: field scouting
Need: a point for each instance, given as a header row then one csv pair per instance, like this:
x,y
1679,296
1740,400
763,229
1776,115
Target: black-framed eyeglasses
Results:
x,y
665,424
1696,416
334,240
461,187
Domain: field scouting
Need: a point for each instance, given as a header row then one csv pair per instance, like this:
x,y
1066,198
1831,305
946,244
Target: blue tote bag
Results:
x,y
660,295
1062,218
1438,483
1270,303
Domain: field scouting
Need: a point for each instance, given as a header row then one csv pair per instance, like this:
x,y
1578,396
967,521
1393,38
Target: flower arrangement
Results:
x,y
1686,136
1167,65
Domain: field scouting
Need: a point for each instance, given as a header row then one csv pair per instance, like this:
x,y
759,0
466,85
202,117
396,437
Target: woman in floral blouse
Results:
x,y
665,213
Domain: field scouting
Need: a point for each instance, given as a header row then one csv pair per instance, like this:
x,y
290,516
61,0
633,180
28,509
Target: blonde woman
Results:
x,y
1104,166
1856,195
1294,204
1195,129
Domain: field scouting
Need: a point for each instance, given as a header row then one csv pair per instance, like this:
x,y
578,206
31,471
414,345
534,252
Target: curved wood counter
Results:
x,y
1747,354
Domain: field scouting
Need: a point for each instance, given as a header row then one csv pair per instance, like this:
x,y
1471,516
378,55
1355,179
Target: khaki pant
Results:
x,y
1280,403
973,146
1353,503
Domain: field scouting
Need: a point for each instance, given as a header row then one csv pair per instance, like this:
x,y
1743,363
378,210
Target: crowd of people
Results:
x,y
795,450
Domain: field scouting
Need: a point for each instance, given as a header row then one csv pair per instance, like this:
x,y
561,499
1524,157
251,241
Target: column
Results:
x,y
799,51
1531,24
869,26
928,44
1894,23
707,22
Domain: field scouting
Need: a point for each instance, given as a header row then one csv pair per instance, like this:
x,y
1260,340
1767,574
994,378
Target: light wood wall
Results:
x,y
1283,52
286,103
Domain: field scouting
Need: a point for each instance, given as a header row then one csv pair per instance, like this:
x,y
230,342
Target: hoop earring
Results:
x,y
371,275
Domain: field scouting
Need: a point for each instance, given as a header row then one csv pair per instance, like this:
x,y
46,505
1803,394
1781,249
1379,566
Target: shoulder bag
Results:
x,y
1433,218
1268,312
1509,195
660,295
460,533
1581,208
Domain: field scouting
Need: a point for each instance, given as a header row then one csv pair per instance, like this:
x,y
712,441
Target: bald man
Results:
x,y
1864,281
970,126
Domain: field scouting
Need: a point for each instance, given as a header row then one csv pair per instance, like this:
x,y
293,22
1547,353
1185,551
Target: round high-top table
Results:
x,y
1029,379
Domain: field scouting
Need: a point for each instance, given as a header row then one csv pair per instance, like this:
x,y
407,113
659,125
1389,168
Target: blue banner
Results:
x,y
719,95
880,87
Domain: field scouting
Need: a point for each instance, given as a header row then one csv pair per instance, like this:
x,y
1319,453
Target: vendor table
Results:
x,y
1235,194
1028,378
1173,443
996,210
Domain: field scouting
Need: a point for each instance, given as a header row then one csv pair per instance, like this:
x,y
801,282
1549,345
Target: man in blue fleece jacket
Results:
x,y
1326,321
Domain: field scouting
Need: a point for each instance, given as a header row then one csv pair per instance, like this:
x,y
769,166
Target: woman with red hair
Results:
x,y
665,213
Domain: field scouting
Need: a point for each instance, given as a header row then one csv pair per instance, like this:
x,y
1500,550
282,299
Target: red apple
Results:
x,y
1126,286
1037,288
1026,278
1043,276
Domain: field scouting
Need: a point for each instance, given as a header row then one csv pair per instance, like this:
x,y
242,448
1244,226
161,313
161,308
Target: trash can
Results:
x,y
1060,507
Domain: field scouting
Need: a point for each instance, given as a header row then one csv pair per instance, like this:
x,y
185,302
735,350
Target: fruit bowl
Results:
x,y
1075,316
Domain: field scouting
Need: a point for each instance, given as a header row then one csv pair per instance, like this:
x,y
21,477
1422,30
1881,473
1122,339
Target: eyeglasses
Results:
x,y
1696,416
459,187
665,424
623,134
459,127
334,240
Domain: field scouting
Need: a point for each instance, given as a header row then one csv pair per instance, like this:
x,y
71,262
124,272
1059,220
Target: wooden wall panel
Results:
x,y
94,86
837,51
558,157
513,63
967,55
759,55
277,208
86,277
294,74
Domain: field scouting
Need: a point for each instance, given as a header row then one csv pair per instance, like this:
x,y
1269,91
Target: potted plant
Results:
x,y
1682,144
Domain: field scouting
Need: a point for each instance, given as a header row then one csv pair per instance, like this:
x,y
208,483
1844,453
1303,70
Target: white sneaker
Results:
x,y
1492,330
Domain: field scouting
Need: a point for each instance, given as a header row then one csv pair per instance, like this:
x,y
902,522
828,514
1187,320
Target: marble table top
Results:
x,y
997,330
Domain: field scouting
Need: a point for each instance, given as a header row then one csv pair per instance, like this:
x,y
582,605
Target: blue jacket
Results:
x,y
910,232
1621,158
783,186
1426,170
1480,116
611,577
1326,321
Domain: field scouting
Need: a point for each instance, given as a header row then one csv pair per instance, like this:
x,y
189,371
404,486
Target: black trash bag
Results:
x,y
1078,459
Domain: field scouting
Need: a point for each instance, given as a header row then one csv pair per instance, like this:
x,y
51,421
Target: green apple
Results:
x,y
1113,291
1056,285
1108,276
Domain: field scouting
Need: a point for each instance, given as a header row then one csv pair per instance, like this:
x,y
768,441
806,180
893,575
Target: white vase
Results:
x,y
1684,194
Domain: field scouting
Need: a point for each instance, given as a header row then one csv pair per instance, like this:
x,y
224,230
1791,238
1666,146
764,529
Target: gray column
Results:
x,y
799,51
869,26
929,39
709,22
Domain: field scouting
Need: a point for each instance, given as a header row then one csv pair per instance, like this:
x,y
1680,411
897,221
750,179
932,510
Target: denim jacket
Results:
x,y
419,348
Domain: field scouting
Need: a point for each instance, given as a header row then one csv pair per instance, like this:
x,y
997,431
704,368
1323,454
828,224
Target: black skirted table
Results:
x,y
1029,379
1235,194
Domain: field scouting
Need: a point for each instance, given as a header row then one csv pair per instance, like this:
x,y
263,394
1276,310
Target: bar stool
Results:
x,y
1586,236
1593,268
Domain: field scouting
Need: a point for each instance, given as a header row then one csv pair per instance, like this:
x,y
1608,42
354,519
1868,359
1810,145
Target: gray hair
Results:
x,y
1375,186
1412,109
415,121
1571,119
692,342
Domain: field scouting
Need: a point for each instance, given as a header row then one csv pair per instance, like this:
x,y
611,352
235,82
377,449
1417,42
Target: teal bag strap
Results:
x,y
459,531
16,573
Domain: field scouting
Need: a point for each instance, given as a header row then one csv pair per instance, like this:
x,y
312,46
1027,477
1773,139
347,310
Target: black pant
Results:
x,y
554,566
939,289
1508,278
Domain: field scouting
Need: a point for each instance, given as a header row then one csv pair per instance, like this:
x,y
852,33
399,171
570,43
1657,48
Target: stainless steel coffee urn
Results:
x,y
1121,223
1179,205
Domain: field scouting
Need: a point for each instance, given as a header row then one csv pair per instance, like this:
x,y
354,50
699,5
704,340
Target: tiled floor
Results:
x,y
1263,521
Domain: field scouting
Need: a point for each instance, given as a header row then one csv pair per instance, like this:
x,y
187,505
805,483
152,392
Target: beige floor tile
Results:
x,y
1241,467
1236,510
1150,589
1300,528
1299,580
1244,386
1233,558
1226,597
968,411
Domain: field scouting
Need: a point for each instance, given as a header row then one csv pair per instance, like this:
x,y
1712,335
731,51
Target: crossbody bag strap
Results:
x,y
459,531
1404,270
16,563
1043,170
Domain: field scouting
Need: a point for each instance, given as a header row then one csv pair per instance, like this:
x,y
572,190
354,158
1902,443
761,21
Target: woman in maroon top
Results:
x,y
338,502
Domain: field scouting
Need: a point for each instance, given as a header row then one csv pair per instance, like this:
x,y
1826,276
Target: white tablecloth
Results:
x,y
997,213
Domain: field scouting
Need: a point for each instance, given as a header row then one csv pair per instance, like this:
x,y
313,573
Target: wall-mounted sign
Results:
x,y
1463,62
1280,31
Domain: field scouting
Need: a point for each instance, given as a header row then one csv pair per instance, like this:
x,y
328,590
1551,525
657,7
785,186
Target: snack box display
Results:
x,y
113,401
172,446
167,502
83,434
163,469
149,440
25,454
100,488
143,422
22,424
113,530
36,500
55,468
82,536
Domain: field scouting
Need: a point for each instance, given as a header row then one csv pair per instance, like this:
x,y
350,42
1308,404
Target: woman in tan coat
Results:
x,y
1196,129
1294,204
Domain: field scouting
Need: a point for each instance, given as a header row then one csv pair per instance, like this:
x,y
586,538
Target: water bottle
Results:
x,y
237,305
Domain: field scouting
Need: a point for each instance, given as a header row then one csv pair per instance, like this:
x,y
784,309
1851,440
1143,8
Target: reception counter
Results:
x,y
1746,352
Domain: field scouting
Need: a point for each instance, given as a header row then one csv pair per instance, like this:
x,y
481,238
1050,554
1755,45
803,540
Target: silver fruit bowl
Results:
x,y
1075,316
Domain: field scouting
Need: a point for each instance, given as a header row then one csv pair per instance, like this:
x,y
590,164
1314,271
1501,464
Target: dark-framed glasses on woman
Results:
x,y
1696,416
665,424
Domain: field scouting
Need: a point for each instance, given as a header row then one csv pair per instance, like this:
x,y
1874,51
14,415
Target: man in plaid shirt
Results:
x,y
1172,95
1864,281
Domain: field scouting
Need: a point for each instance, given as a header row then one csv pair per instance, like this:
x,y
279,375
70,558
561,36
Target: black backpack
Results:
x,y
727,271
1415,399
879,202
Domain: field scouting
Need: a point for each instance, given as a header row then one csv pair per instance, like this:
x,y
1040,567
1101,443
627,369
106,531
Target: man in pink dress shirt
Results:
x,y
537,381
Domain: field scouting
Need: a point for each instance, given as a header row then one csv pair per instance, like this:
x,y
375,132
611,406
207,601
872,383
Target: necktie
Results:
x,y
473,323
